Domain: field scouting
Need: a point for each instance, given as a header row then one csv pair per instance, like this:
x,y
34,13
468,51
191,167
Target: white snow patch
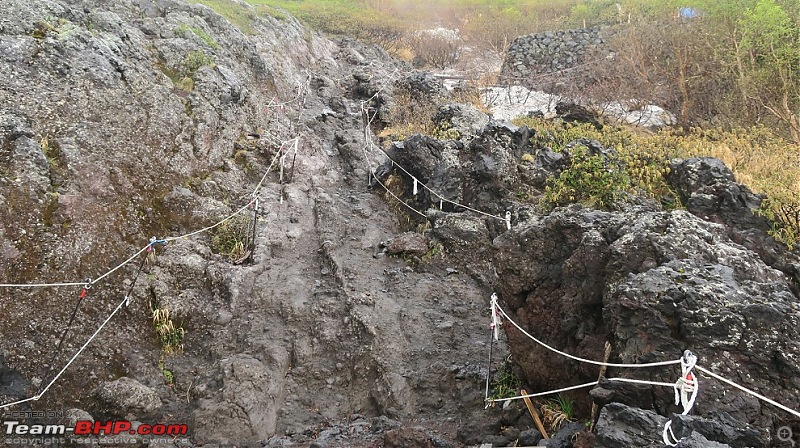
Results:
x,y
507,103
648,116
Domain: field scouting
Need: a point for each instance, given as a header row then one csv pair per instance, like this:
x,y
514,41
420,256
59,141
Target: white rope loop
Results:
x,y
496,322
686,389
687,385
577,358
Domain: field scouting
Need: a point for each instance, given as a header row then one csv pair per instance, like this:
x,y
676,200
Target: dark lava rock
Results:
x,y
12,384
496,440
637,395
656,283
530,437
575,113
478,427
563,438
719,427
623,426
424,85
708,189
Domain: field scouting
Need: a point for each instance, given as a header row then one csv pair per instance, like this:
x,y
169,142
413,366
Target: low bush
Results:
x,y
231,238
765,162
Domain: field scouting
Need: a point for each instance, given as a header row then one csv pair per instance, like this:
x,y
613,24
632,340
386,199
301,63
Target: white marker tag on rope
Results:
x,y
441,203
415,186
508,219
495,321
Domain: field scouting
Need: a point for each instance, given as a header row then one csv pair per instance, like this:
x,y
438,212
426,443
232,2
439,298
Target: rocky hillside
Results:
x,y
344,318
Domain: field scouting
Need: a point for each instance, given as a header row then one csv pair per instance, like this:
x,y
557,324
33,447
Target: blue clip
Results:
x,y
153,242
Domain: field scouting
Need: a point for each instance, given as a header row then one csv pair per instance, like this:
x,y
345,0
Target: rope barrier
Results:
x,y
82,295
577,358
748,391
416,182
150,250
124,302
686,387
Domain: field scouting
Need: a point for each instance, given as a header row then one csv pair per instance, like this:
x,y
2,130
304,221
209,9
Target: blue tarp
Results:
x,y
689,13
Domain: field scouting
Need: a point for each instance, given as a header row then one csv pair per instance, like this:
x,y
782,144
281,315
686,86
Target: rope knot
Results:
x,y
495,325
685,393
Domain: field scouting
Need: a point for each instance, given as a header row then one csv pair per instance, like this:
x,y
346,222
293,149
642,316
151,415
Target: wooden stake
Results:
x,y
535,415
606,357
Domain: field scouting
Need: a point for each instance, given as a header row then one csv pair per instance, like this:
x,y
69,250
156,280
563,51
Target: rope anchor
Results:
x,y
86,288
685,394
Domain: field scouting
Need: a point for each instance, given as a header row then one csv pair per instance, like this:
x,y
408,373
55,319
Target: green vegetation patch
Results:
x,y
759,158
504,384
169,335
237,14
184,30
231,238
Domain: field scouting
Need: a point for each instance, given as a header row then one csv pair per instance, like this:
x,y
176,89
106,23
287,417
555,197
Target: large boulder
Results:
x,y
465,119
126,398
623,426
653,284
709,190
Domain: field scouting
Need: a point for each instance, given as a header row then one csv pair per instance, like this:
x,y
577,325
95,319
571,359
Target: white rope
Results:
x,y
539,394
242,208
371,145
496,322
165,240
584,360
74,357
748,391
635,381
302,90
126,300
434,192
581,386
40,285
367,142
119,266
83,347
17,402
685,394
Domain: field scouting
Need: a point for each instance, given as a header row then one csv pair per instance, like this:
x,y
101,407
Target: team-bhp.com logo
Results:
x,y
90,428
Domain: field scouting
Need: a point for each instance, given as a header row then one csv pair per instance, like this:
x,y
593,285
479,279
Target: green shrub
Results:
x,y
193,61
594,180
231,238
504,384
169,335
759,158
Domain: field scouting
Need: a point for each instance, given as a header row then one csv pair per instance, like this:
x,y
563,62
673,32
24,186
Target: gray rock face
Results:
x,y
621,425
465,119
709,190
126,398
408,243
590,274
155,118
552,52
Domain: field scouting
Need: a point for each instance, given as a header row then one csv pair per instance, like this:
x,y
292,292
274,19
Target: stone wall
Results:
x,y
550,52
